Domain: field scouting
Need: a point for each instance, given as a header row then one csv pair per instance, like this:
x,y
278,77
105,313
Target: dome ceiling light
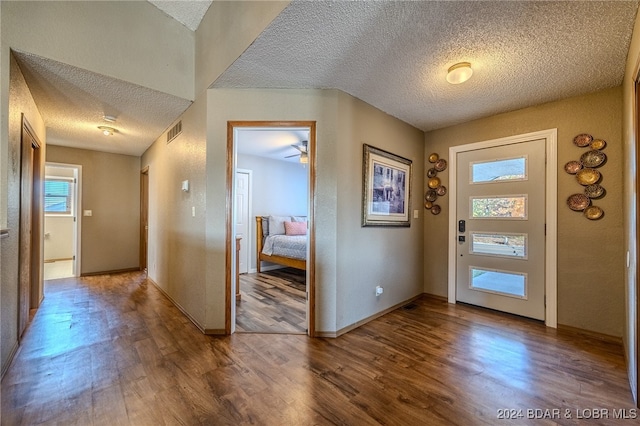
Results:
x,y
459,73
106,130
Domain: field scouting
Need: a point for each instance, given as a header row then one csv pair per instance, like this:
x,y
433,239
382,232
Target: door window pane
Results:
x,y
501,245
499,170
512,284
506,207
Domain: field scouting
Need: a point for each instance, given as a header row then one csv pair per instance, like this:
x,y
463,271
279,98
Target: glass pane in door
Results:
x,y
506,283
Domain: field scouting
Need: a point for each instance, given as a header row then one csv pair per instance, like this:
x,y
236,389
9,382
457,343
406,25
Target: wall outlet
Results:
x,y
379,290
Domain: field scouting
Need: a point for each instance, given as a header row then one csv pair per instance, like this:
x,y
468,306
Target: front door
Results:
x,y
500,206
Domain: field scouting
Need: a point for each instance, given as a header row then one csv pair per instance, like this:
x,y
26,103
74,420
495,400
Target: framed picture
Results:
x,y
386,188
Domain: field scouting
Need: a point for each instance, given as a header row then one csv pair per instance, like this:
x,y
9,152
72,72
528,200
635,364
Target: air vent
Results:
x,y
174,131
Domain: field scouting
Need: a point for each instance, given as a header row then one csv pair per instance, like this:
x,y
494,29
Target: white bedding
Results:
x,y
292,246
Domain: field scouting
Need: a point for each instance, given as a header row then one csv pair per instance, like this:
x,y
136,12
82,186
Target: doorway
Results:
x,y
61,221
144,219
281,281
502,250
30,291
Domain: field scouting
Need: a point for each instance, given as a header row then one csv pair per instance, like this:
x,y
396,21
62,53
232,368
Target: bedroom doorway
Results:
x,y
274,292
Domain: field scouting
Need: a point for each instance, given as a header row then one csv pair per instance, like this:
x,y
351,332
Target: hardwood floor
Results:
x,y
272,302
112,350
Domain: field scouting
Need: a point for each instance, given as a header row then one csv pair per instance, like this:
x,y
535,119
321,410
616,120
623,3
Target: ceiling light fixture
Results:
x,y
106,130
459,73
304,158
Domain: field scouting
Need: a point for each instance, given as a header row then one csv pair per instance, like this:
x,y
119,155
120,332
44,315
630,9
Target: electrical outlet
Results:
x,y
379,290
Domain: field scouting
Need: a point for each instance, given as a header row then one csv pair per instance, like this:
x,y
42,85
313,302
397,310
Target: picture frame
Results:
x,y
386,188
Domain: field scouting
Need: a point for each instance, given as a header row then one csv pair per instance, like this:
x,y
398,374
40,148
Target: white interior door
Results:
x,y
500,204
242,211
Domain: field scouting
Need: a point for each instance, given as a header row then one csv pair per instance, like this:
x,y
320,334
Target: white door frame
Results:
x,y
551,252
250,225
77,201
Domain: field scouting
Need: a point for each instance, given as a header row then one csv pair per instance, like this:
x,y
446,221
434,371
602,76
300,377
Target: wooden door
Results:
x,y
144,218
29,252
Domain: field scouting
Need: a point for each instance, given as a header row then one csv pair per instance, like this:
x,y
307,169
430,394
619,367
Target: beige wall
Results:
x,y
177,246
176,258
132,40
367,257
226,30
630,171
20,102
590,253
350,260
110,185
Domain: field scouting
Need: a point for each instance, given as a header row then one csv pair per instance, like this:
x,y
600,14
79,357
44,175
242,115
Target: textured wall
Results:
x,y
20,102
177,258
226,30
371,256
590,253
348,258
111,190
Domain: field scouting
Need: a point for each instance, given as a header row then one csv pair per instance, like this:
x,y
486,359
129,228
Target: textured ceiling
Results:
x,y
74,101
188,13
394,55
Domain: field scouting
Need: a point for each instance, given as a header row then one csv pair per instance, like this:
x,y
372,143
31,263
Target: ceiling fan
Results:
x,y
304,153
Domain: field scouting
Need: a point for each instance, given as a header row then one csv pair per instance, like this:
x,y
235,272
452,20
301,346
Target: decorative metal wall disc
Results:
x,y
582,140
441,165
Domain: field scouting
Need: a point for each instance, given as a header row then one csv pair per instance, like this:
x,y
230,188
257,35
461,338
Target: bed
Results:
x,y
282,240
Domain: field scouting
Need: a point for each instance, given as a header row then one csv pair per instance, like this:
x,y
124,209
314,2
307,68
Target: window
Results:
x,y
505,283
508,169
506,207
58,196
500,245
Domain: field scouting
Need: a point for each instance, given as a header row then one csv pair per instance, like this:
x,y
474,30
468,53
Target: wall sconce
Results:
x,y
106,130
459,73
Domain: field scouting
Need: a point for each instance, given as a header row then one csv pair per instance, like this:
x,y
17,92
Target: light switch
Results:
x,y
416,214
193,211
88,213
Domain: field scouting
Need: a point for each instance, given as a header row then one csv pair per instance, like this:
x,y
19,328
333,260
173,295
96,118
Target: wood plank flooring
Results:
x,y
272,302
112,350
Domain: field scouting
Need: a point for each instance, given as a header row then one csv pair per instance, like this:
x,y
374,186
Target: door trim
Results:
x,y
31,220
249,216
230,238
551,216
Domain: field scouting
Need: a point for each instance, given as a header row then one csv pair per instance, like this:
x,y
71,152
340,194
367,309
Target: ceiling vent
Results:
x,y
174,131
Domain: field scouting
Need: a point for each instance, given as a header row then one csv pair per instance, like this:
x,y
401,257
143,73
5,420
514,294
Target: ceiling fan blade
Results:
x,y
299,148
294,155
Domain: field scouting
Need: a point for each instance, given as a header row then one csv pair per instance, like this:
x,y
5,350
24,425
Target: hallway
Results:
x,y
110,350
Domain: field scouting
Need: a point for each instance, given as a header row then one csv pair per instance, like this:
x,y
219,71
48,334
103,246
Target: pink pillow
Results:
x,y
295,228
